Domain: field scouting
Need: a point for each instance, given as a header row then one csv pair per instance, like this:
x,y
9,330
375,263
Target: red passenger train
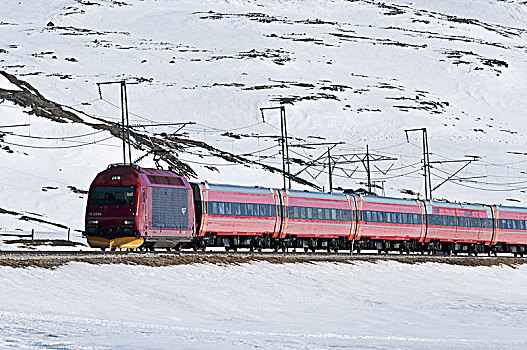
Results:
x,y
132,207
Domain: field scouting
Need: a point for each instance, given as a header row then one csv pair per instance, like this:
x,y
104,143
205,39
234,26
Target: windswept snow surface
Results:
x,y
261,305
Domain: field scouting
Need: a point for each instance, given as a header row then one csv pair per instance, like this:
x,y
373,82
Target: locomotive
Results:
x,y
141,208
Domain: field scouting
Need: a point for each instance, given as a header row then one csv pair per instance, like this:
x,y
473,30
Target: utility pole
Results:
x,y
368,167
283,142
426,162
124,117
329,168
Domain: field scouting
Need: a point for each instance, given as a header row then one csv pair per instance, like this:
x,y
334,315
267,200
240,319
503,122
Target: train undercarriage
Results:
x,y
310,244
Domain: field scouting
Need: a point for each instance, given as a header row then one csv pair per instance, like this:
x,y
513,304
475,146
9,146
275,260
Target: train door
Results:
x,y
495,225
424,220
198,207
144,208
278,222
283,213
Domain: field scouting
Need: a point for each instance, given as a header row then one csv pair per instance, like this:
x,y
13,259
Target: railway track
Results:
x,y
54,259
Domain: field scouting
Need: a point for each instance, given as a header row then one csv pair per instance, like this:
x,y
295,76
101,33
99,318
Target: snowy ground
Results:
x,y
261,305
356,71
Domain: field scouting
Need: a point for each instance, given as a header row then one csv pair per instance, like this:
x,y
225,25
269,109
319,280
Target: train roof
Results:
x,y
318,195
458,205
514,209
390,200
238,189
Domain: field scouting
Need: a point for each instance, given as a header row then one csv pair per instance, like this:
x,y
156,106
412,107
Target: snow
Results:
x,y
7,85
216,63
386,67
386,305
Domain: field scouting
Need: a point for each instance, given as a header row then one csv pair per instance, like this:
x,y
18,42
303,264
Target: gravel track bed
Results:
x,y
51,260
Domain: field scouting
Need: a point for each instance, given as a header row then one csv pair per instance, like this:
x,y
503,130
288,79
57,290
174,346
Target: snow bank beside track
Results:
x,y
386,305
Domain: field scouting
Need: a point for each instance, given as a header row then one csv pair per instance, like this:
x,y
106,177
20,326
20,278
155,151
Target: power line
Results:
x,y
59,147
56,138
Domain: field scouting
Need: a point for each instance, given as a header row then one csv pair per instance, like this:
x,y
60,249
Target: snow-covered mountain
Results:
x,y
359,72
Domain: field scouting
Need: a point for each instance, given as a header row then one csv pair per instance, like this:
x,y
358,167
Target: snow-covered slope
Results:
x,y
354,71
262,305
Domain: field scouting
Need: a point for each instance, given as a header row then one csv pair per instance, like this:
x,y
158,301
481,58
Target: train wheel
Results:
x,y
496,253
203,247
227,249
515,254
103,249
113,249
306,249
235,249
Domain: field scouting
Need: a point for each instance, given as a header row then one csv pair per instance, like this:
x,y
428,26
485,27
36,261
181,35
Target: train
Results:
x,y
130,207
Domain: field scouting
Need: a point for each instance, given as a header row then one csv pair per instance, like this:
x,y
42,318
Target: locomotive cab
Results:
x,y
131,207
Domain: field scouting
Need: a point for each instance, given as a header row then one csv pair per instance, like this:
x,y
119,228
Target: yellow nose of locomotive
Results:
x,y
120,242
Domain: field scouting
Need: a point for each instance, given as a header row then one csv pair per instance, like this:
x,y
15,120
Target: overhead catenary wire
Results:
x,y
59,147
56,138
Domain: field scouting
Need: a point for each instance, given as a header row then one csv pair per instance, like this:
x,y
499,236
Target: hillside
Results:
x,y
359,72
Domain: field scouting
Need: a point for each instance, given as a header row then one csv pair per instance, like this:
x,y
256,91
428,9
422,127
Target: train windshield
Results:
x,y
113,195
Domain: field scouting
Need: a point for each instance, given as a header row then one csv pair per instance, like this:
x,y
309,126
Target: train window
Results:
x,y
221,208
236,208
339,215
309,213
228,210
243,209
263,210
327,215
250,210
367,216
374,216
213,208
388,217
303,214
333,214
296,213
521,224
320,213
113,195
315,213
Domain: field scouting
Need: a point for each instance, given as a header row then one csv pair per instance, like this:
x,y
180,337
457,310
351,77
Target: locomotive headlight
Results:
x,y
93,222
129,222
